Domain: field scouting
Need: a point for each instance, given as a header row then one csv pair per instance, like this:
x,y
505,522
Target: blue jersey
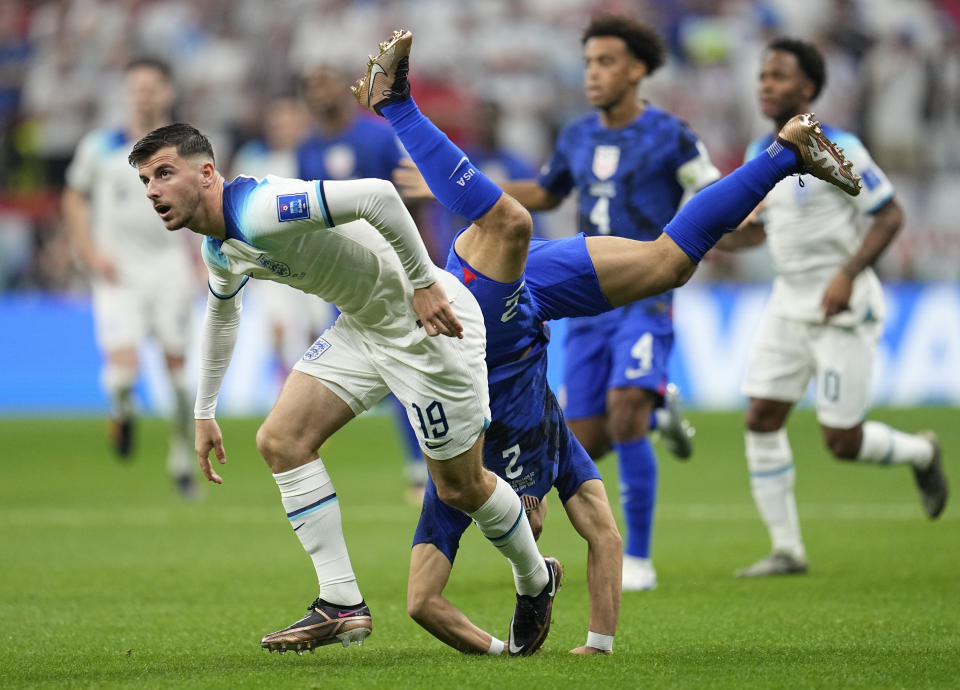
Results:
x,y
630,180
366,148
528,443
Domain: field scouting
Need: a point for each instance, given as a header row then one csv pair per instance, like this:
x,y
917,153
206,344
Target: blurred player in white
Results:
x,y
823,320
131,257
391,298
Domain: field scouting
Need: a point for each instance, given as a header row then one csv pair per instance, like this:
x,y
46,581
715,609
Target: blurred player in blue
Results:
x,y
519,285
345,144
631,165
823,319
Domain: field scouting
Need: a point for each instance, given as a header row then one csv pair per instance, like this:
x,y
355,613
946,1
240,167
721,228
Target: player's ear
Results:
x,y
208,172
638,70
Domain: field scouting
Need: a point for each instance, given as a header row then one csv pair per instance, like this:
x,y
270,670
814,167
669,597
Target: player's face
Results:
x,y
174,186
784,89
611,71
149,93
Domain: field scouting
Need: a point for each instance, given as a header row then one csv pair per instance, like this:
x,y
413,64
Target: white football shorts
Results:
x,y
125,314
788,354
441,381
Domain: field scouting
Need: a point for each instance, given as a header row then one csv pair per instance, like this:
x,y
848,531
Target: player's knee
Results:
x,y
629,422
761,420
277,450
511,220
843,444
419,606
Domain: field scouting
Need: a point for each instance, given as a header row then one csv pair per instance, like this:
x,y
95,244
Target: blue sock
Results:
x,y
452,178
638,486
717,209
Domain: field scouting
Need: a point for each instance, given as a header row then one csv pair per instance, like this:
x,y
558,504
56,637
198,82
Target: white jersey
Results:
x,y
812,230
123,224
299,233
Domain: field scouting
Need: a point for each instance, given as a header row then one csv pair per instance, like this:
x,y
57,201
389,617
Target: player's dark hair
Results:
x,y
642,41
162,66
809,58
187,139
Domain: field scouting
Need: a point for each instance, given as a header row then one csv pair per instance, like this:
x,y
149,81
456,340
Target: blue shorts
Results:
x,y
618,350
561,276
531,461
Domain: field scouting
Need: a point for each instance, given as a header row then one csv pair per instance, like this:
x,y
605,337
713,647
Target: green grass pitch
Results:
x,y
108,579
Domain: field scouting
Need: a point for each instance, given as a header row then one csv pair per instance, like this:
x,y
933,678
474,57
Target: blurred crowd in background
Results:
x,y
506,69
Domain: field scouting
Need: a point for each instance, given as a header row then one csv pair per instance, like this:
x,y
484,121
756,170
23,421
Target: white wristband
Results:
x,y
597,641
496,646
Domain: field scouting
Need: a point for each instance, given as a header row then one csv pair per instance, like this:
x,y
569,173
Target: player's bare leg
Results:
x,y
465,484
429,573
875,442
305,415
590,514
118,378
180,464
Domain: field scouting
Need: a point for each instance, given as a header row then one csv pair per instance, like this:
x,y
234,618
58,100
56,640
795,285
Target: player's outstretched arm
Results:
x,y
379,203
429,573
590,514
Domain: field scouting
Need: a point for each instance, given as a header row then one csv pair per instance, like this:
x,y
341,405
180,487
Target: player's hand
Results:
x,y
589,650
536,512
103,267
410,182
836,298
208,437
435,313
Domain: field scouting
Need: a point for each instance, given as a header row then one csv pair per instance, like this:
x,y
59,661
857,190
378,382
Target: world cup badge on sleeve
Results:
x,y
293,207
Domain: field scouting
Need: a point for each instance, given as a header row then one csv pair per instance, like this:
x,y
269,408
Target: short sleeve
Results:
x,y
222,282
81,174
556,176
876,186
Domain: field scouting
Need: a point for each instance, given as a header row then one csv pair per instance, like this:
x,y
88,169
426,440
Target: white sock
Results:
x,y
502,520
770,462
180,460
118,382
887,446
496,646
314,512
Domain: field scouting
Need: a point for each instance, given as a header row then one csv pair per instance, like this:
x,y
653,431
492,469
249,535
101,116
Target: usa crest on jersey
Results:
x,y
605,161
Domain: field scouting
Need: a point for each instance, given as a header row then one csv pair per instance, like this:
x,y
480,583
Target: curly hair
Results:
x,y
808,57
643,42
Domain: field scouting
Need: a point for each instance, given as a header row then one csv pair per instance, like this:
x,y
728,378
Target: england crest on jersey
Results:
x,y
605,161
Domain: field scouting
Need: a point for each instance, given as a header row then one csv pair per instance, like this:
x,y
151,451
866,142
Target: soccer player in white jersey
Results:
x,y
392,299
823,319
130,258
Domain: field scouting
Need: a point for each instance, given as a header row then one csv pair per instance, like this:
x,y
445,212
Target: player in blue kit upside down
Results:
x,y
519,284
